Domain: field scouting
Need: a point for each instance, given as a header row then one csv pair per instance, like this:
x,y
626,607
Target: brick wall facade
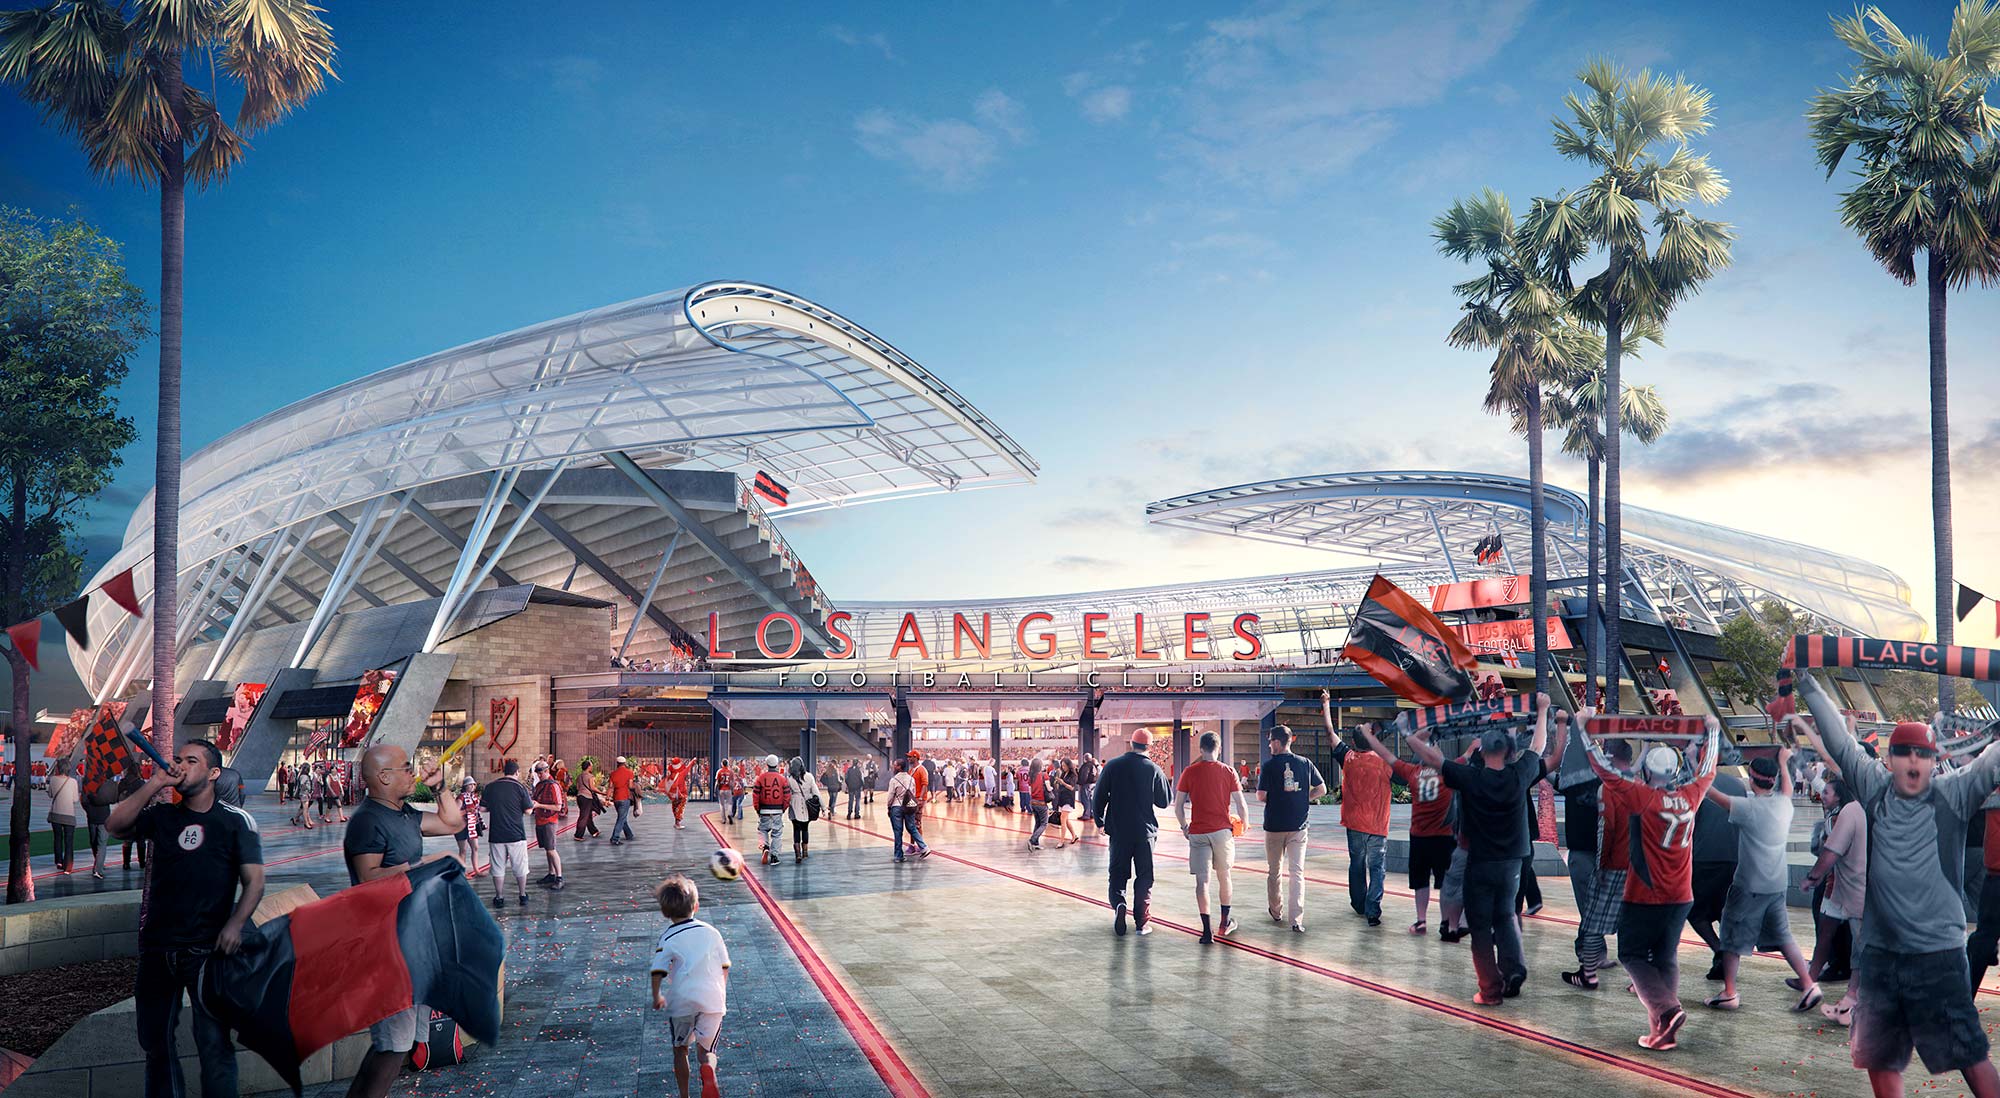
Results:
x,y
515,658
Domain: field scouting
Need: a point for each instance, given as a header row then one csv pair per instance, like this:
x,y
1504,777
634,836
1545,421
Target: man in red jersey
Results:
x,y
1431,840
1211,790
1364,815
1653,820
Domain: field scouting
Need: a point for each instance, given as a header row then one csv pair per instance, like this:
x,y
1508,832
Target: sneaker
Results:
x,y
1145,928
524,899
924,853
1374,920
1534,910
499,903
1298,926
1227,928
556,885
1118,920
1715,971
679,826
1577,979
1447,934
1512,988
1275,917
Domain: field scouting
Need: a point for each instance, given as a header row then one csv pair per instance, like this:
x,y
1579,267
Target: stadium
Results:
x,y
572,533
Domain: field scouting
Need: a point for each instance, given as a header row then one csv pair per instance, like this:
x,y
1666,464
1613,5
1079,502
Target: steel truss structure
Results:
x,y
335,496
1679,571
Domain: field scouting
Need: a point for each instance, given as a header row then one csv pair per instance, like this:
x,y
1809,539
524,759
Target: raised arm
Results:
x,y
1540,742
1784,772
1326,712
1965,787
1426,753
1710,748
1864,775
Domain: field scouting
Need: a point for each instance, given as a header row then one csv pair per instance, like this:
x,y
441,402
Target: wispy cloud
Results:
x,y
1285,96
949,154
876,40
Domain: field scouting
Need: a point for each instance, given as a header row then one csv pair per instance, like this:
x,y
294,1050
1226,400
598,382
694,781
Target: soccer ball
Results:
x,y
726,864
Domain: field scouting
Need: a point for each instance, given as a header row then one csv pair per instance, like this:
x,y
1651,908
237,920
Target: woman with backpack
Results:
x,y
804,806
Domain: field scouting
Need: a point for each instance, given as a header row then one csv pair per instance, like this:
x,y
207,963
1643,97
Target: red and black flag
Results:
x,y
105,754
337,966
1407,649
767,486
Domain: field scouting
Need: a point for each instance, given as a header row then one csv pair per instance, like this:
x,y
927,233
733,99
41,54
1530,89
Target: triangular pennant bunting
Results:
x,y
27,638
74,616
119,590
1968,601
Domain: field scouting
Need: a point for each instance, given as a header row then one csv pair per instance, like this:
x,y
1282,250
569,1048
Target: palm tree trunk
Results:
x,y
1940,471
1593,624
1538,519
167,441
1614,571
20,882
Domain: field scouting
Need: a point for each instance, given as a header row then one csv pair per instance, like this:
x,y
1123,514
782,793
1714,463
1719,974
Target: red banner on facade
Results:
x,y
1479,594
1517,635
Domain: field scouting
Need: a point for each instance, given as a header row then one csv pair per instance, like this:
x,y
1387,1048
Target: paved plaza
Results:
x,y
988,970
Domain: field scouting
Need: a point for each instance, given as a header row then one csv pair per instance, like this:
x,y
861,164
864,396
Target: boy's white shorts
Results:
x,y
701,1029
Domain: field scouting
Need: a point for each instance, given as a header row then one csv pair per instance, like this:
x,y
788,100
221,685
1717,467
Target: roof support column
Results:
x,y
455,600
666,502
1443,546
360,550
283,553
652,588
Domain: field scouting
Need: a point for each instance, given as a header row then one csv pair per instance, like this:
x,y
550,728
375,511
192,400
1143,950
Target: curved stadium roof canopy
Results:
x,y
1696,572
728,377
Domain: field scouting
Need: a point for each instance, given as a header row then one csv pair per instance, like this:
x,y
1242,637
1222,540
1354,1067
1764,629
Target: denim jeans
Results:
x,y
621,829
1364,872
1489,912
899,823
163,975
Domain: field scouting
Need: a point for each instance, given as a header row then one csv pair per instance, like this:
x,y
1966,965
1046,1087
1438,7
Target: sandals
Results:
x,y
1809,1000
1724,1002
1838,1012
1418,928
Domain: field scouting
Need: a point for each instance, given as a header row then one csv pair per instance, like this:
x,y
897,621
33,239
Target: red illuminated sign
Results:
x,y
1517,635
1479,594
1034,638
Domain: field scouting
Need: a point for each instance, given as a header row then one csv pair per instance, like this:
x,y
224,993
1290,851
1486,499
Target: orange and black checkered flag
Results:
x,y
105,754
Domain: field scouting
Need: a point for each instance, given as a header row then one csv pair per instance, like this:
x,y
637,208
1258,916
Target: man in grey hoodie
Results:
x,y
1910,966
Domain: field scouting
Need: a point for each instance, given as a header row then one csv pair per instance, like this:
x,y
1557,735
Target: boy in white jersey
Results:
x,y
693,965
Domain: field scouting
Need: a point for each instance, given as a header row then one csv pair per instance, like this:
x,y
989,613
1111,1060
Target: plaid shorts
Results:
x,y
1607,903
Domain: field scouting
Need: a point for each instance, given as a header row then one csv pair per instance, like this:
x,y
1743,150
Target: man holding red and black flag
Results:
x,y
208,876
385,837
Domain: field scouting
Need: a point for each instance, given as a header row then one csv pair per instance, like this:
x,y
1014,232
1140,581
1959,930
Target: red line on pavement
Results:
x,y
901,1081
1588,1052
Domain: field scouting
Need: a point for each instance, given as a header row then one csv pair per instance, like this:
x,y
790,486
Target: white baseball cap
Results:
x,y
1661,764
621,760
772,760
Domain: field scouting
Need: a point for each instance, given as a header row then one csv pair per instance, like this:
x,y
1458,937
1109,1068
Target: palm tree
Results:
x,y
1577,409
115,75
1929,181
1518,309
1618,129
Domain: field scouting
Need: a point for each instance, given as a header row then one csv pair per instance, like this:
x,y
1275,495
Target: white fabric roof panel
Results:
x,y
726,376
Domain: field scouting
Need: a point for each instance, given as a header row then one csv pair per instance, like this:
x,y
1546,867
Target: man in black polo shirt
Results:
x,y
203,850
1490,794
384,836
1129,792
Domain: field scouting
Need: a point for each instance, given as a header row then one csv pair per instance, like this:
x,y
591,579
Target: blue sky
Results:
x,y
1167,246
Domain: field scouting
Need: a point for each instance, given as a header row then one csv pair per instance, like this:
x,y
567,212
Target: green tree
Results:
x,y
1753,645
1518,309
68,321
1913,695
1576,407
1619,130
1928,181
127,79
